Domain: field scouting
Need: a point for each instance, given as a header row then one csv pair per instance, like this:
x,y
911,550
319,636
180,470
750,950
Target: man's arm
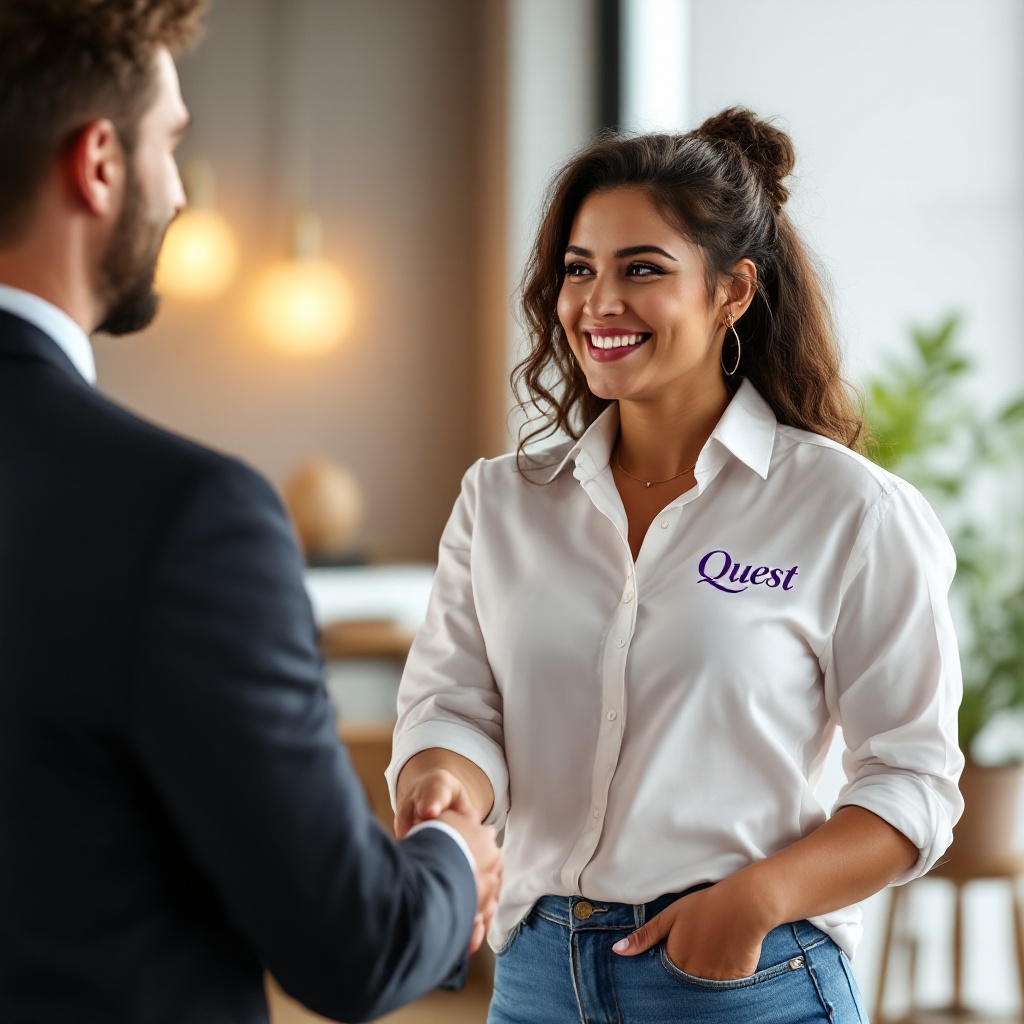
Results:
x,y
232,723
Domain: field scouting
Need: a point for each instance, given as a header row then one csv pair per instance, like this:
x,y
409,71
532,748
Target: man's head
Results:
x,y
90,115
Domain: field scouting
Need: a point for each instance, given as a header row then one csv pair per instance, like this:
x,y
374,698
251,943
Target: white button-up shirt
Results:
x,y
649,726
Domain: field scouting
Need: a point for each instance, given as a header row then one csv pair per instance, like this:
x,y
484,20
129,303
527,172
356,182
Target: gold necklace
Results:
x,y
649,483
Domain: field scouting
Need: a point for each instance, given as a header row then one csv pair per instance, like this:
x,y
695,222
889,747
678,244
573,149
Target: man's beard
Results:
x,y
128,267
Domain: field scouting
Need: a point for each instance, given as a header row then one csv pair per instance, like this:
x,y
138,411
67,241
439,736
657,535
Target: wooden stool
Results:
x,y
958,874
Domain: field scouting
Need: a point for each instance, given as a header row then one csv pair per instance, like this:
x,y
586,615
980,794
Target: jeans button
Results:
x,y
582,910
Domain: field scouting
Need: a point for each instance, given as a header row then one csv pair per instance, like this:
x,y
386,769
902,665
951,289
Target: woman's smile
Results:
x,y
605,344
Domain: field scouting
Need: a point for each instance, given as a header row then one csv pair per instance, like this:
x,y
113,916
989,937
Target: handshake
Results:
x,y
438,785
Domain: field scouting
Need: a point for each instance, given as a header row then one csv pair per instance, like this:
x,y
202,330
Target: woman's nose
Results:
x,y
604,299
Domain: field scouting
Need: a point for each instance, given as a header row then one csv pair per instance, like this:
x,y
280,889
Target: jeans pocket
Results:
x,y
510,939
766,974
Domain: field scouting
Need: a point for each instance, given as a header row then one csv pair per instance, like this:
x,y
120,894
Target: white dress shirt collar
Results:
x,y
55,324
746,430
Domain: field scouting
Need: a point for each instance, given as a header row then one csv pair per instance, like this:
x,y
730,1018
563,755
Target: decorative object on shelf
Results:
x,y
327,507
199,257
302,305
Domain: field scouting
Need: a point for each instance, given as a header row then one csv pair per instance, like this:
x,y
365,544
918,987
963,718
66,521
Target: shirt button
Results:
x,y
628,597
664,524
597,813
620,642
612,715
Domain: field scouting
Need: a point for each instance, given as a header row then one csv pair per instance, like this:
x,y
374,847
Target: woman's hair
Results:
x,y
722,187
66,63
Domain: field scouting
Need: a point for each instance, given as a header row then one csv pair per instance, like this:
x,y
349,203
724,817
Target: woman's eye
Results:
x,y
576,270
644,269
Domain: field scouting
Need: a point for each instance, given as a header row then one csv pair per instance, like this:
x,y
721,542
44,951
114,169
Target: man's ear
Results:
x,y
95,168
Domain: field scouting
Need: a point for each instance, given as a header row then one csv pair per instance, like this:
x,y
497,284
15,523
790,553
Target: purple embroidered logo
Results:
x,y
719,569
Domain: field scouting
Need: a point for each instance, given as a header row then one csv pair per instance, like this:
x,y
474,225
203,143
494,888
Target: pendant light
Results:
x,y
301,305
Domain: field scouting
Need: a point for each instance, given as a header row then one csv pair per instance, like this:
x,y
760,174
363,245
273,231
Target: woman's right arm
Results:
x,y
449,745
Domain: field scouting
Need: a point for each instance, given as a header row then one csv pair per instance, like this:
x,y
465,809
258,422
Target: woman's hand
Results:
x,y
433,792
715,933
437,780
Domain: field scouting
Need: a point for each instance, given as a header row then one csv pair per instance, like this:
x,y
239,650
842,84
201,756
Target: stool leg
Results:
x,y
895,896
958,947
1018,932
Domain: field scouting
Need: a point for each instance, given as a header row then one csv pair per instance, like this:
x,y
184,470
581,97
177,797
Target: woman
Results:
x,y
640,641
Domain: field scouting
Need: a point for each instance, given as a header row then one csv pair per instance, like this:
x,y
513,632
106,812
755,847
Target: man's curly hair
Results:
x,y
66,63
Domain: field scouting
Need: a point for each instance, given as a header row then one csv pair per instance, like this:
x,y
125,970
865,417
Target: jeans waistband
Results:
x,y
578,913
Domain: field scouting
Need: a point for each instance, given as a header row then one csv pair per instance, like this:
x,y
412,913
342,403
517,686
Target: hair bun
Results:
x,y
767,149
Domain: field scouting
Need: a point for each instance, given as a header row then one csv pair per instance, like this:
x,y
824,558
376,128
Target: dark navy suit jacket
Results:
x,y
176,811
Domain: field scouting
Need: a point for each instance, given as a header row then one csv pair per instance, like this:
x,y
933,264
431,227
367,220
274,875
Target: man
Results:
x,y
176,812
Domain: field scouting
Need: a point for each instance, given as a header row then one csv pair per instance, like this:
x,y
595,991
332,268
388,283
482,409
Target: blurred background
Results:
x,y
369,175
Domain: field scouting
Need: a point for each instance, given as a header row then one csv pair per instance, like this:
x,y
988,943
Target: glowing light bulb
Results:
x,y
199,256
303,306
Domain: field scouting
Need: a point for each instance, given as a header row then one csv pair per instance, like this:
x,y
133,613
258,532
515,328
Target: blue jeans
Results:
x,y
558,966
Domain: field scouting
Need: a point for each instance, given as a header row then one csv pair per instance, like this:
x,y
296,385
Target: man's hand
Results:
x,y
482,842
715,933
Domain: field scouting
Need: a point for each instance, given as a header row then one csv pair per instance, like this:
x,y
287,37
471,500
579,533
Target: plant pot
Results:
x,y
987,832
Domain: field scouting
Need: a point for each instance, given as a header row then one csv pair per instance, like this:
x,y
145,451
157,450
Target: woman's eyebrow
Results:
x,y
633,250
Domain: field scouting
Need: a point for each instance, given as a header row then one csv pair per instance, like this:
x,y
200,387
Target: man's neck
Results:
x,y
39,268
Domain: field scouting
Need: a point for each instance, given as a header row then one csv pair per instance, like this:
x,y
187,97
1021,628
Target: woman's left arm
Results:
x,y
891,676
717,933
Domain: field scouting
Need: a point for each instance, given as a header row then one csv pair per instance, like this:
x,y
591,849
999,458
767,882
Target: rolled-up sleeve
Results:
x,y
892,680
448,697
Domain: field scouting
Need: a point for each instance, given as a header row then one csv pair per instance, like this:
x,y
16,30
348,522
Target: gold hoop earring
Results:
x,y
730,323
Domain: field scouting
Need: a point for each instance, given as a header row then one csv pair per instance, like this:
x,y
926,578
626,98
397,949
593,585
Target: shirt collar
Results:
x,y
746,431
55,324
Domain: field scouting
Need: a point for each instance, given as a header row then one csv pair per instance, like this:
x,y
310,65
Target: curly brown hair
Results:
x,y
66,63
721,186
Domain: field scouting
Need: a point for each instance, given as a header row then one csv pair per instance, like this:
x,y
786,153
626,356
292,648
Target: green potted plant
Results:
x,y
967,460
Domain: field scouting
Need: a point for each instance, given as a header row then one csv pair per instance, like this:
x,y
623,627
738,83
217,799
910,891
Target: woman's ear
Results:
x,y
95,168
740,287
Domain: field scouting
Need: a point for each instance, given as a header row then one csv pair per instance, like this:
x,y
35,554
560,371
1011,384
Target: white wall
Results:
x,y
908,118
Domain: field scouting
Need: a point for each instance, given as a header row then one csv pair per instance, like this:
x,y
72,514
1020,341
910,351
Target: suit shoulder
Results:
x,y
122,437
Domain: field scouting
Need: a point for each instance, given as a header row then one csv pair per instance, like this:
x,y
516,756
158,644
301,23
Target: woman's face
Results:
x,y
634,303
